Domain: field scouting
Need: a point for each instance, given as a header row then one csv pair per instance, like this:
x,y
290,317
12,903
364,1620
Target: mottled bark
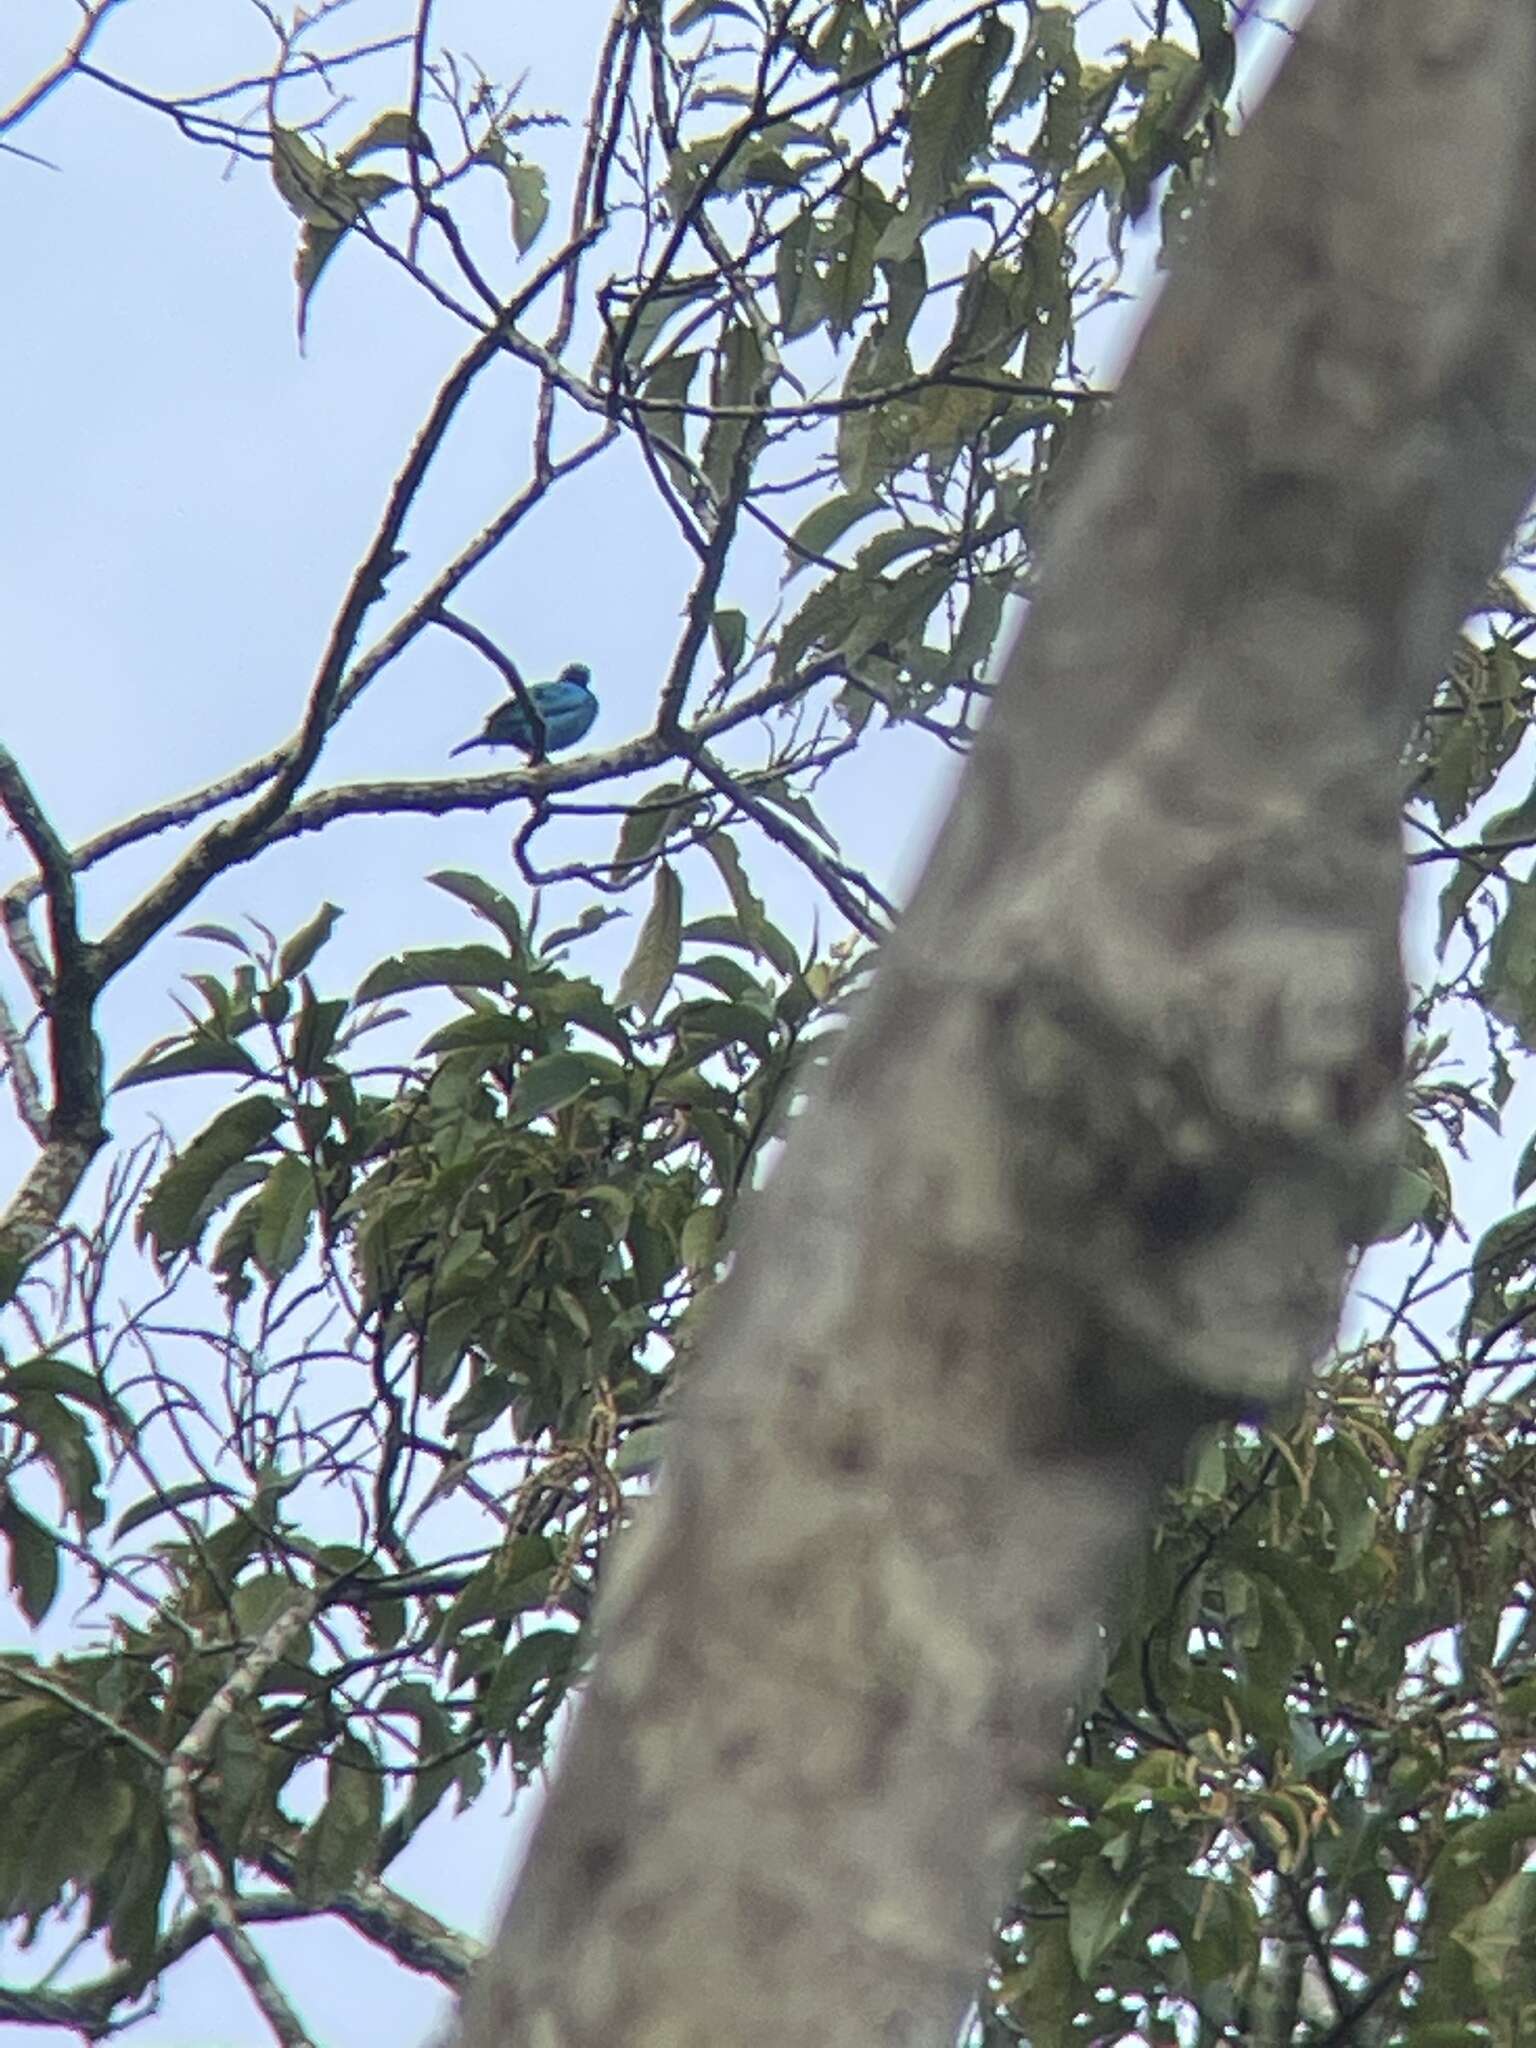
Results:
x,y
1089,1162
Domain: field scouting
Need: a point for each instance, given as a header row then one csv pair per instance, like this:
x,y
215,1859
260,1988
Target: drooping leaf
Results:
x,y
651,820
862,216
528,190
654,961
1509,978
328,200
666,391
34,1559
314,1035
283,1211
728,625
184,1197
340,1842
737,375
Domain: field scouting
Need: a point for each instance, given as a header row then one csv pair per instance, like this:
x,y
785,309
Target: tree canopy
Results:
x,y
325,1416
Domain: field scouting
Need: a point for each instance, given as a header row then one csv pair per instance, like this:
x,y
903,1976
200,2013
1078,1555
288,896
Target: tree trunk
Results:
x,y
1088,1163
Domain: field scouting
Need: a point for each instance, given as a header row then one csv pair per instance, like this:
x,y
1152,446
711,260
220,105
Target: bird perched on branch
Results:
x,y
567,708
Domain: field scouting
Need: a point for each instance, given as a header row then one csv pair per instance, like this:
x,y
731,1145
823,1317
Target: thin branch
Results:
x,y
89,2008
835,876
333,690
68,63
25,1085
201,1874
506,668
486,793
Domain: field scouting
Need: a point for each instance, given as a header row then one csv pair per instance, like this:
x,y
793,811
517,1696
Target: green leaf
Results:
x,y
1096,1908
698,11
738,373
1505,1254
797,281
65,1444
516,1579
1411,1199
193,1185
1498,1933
505,1036
779,794
706,1027
831,610
126,1900
949,127
729,627
196,1054
46,1375
543,1657
592,919
437,967
486,901
342,1840
848,43
168,1500
306,943
726,976
860,220
1509,979
654,961
651,820
549,1084
666,392
875,441
34,1559
328,200
825,525
219,935
303,177
978,629
315,1034
1217,45
700,1240
392,130
1515,826
317,245
283,1211
766,939
1049,49
528,190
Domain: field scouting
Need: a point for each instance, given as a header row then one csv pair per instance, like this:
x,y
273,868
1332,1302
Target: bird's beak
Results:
x,y
477,741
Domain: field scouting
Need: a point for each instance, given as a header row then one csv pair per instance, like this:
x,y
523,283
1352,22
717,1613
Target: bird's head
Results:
x,y
578,673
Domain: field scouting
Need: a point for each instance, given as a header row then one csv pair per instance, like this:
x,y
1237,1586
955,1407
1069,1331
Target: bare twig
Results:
x,y
70,60
25,1085
204,1881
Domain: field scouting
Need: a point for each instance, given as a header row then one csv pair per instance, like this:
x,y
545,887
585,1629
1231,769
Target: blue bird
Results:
x,y
567,708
